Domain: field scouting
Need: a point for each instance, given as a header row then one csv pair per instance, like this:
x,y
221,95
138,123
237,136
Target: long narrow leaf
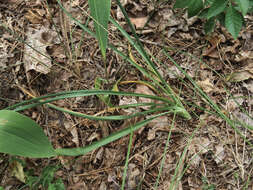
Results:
x,y
210,101
100,12
79,93
104,141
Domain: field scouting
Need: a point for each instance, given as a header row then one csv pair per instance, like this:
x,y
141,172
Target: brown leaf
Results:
x,y
239,76
244,55
35,16
37,59
139,22
127,100
206,85
142,89
70,126
57,51
219,154
249,86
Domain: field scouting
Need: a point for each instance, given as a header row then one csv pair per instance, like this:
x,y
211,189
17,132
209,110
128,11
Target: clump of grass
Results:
x,y
29,140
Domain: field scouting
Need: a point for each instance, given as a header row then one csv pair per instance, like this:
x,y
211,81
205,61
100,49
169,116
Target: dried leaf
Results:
x,y
142,89
219,154
35,53
133,173
160,123
139,22
71,127
125,101
244,55
17,170
234,102
102,186
174,73
239,76
206,85
35,16
249,86
198,146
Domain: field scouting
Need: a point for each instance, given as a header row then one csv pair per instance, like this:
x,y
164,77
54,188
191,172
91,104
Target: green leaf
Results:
x,y
209,25
181,4
99,86
47,175
216,8
208,2
195,7
115,136
221,18
244,6
233,21
58,185
203,13
100,12
250,7
21,136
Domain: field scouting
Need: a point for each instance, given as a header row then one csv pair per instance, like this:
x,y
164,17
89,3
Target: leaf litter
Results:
x,y
215,153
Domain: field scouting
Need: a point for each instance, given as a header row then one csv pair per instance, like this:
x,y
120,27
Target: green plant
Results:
x,y
229,13
100,12
206,185
46,179
28,138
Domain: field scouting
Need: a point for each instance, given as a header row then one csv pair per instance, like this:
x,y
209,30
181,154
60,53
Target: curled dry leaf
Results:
x,y
133,173
244,55
174,73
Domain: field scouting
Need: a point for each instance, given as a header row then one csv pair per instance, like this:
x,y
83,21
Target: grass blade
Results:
x,y
210,101
100,12
104,141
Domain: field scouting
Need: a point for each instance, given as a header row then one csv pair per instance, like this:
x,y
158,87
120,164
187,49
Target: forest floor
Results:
x,y
221,66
